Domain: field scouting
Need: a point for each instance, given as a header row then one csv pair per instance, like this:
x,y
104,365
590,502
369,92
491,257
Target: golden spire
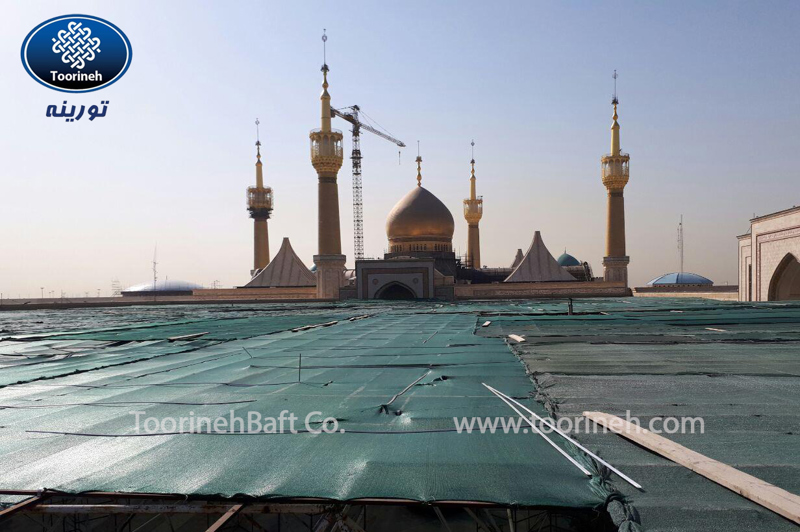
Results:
x,y
325,98
472,193
419,167
259,174
615,150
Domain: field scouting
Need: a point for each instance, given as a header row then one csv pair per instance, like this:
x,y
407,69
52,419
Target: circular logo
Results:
x,y
76,53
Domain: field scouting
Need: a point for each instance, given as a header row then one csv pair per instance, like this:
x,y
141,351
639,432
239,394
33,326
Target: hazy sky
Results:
x,y
710,113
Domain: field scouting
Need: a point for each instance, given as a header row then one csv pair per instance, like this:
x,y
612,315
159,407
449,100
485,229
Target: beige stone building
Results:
x,y
768,258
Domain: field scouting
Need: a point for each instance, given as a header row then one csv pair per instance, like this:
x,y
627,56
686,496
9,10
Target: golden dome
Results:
x,y
420,217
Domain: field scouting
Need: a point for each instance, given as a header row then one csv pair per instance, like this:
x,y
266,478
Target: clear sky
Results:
x,y
709,108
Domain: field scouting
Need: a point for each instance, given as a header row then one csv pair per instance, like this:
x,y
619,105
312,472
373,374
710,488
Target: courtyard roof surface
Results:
x,y
394,376
735,365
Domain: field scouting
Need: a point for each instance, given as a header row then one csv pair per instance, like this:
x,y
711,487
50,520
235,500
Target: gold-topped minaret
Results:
x,y
615,173
473,212
326,157
259,203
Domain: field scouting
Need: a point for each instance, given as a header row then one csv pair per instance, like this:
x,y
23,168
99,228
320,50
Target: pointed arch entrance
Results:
x,y
395,291
785,282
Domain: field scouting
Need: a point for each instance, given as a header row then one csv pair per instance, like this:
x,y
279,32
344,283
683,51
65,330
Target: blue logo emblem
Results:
x,y
76,53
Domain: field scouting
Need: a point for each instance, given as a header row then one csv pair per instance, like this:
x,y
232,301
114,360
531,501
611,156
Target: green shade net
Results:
x,y
736,365
67,424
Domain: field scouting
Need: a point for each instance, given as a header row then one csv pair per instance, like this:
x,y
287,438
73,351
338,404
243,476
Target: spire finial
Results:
x,y
324,51
324,62
419,167
258,140
614,99
472,162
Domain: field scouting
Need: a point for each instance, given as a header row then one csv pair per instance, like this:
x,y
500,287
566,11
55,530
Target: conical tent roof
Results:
x,y
538,265
517,259
286,269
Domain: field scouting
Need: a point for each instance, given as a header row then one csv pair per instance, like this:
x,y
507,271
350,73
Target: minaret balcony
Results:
x,y
259,201
473,209
326,150
615,170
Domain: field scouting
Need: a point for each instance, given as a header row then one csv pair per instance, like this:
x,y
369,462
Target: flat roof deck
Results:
x,y
394,376
735,365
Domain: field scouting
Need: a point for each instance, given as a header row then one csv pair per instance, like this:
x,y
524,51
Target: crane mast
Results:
x,y
351,115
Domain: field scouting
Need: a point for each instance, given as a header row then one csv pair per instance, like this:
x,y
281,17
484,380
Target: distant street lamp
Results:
x,y
42,289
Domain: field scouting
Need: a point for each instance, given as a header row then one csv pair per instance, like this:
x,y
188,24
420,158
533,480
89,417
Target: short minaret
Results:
x,y
615,177
326,157
473,211
259,203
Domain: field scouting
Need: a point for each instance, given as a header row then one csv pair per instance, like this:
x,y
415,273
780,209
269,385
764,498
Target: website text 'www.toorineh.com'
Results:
x,y
576,425
254,422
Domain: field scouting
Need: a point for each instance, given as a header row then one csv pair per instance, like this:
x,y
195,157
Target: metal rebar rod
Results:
x,y
568,438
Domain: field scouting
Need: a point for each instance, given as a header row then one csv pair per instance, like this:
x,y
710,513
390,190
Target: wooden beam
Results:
x,y
517,338
22,505
230,514
771,497
187,336
441,519
477,520
512,526
174,508
254,522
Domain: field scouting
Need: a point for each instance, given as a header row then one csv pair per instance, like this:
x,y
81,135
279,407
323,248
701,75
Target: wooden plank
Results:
x,y
187,336
517,338
486,323
22,505
230,514
174,508
771,497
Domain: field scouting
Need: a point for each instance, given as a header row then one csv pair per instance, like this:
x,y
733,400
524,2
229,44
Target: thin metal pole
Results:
x,y
540,433
568,438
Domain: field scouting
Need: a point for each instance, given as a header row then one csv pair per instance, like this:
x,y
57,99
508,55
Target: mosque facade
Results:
x,y
769,258
420,262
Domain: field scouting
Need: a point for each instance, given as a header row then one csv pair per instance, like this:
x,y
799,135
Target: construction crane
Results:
x,y
351,115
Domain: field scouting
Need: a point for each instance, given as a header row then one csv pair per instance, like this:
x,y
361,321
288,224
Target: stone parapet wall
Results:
x,y
542,290
725,293
281,293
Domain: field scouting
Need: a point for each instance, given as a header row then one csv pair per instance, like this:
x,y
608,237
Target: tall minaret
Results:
x,y
326,157
473,211
615,177
259,203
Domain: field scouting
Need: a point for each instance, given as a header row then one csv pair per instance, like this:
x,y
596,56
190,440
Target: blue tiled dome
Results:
x,y
680,278
167,285
568,260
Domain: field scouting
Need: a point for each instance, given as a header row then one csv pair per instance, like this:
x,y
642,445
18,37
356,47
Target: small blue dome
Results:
x,y
680,278
568,260
166,285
